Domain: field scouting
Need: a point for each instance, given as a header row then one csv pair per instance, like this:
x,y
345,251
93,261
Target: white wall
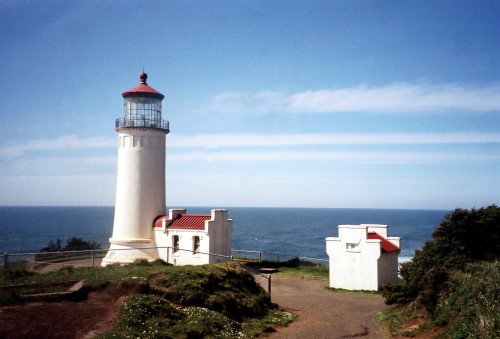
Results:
x,y
388,268
140,190
140,194
220,230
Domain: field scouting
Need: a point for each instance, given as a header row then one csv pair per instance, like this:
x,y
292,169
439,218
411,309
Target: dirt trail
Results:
x,y
324,314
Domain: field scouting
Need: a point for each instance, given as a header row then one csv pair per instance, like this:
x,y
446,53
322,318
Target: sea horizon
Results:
x,y
282,207
289,231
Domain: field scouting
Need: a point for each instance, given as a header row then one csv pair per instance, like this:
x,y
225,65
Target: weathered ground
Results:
x,y
324,314
64,319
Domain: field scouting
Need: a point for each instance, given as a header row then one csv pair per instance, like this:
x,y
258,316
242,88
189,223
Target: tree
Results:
x,y
78,244
53,246
73,244
463,236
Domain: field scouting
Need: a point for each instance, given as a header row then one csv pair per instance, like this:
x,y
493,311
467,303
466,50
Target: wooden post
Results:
x,y
269,285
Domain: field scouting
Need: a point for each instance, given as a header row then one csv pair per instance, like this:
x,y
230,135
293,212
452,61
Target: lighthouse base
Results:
x,y
126,251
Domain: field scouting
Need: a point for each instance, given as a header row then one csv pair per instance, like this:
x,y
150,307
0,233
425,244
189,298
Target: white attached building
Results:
x,y
194,239
363,257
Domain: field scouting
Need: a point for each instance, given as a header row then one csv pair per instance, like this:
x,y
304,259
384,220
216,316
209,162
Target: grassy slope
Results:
x,y
206,301
469,309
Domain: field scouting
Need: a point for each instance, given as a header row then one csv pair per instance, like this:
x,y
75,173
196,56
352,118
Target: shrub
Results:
x,y
462,237
473,306
224,288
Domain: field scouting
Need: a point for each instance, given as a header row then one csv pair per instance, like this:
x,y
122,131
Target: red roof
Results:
x,y
386,244
143,89
186,221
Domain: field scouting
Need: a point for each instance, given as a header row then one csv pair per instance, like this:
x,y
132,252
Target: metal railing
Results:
x,y
279,257
43,262
142,123
50,261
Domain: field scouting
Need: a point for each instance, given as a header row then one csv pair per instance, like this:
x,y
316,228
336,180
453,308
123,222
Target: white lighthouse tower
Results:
x,y
140,190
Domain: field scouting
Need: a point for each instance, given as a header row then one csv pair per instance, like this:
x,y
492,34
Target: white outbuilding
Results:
x,y
363,257
194,239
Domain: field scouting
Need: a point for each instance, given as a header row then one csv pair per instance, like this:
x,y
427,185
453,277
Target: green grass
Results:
x,y
342,290
294,268
305,272
397,318
94,276
207,301
472,307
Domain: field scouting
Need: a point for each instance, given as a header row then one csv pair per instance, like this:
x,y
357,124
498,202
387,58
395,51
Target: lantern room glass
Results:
x,y
142,111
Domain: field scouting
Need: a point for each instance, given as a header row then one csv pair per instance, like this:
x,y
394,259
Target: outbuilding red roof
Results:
x,y
386,244
186,221
143,89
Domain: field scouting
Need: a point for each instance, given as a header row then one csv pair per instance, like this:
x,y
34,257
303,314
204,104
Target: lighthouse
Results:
x,y
141,228
140,186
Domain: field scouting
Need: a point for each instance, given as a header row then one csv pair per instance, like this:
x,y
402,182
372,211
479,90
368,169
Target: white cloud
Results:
x,y
62,142
360,157
267,140
392,98
209,141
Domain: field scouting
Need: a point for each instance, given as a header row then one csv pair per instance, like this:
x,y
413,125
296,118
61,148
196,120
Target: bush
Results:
x,y
462,237
224,288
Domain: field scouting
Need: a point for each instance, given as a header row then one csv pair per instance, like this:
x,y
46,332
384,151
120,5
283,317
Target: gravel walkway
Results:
x,y
324,314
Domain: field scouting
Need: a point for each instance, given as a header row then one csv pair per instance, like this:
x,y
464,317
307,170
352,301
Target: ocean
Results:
x,y
287,231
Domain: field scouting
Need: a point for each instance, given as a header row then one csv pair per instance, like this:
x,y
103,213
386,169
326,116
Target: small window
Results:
x,y
175,243
196,245
354,247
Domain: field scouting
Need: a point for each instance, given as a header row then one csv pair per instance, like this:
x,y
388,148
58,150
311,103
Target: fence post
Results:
x,y
93,257
269,285
5,260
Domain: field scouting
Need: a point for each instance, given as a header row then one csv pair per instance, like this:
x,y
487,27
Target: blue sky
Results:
x,y
364,104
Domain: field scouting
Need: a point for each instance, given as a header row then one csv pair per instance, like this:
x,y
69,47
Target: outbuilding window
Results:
x,y
352,247
175,243
196,244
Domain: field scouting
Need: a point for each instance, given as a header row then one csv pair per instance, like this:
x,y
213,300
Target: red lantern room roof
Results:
x,y
143,89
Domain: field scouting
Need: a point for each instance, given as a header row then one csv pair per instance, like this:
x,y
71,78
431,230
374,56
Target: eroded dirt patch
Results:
x,y
65,319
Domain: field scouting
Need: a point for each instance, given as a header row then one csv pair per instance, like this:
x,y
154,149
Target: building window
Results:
x,y
175,243
196,245
352,247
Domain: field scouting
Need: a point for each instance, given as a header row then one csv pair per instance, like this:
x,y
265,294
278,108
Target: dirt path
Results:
x,y
324,314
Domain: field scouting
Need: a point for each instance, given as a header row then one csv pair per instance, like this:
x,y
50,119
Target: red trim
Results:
x,y
143,89
385,244
186,221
